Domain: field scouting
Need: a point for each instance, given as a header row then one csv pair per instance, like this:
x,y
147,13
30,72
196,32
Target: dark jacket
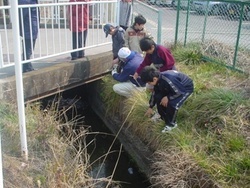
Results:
x,y
117,40
128,69
29,19
173,84
161,58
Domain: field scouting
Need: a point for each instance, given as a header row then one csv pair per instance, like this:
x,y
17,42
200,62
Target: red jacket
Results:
x,y
161,58
78,16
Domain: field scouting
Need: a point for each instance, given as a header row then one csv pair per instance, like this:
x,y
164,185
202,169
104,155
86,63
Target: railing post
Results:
x,y
19,79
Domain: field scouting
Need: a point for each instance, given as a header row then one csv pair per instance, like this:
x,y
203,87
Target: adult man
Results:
x,y
29,25
171,89
130,60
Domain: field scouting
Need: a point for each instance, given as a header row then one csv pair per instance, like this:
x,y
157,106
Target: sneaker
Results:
x,y
169,128
156,117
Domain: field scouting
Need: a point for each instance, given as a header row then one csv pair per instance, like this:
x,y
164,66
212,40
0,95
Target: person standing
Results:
x,y
125,14
171,90
135,33
78,18
118,42
29,19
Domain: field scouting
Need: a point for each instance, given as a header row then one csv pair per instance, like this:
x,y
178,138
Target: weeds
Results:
x,y
57,153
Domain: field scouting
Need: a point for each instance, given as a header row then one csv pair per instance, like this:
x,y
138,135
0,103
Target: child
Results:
x,y
135,33
159,55
78,17
127,85
171,89
118,42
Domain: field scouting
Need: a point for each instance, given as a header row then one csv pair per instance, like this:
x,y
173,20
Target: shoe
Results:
x,y
169,128
73,58
28,70
156,117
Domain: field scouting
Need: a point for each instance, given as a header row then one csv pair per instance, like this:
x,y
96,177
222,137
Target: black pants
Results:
x,y
78,41
168,114
28,47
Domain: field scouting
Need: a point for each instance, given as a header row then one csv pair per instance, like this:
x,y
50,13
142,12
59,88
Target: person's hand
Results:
x,y
149,112
135,76
115,61
164,101
114,69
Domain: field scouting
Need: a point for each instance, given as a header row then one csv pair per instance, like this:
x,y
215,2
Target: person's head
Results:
x,y
123,53
149,75
139,22
109,29
147,45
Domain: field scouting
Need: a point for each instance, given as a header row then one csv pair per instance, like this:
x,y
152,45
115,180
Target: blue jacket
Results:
x,y
129,68
173,84
29,19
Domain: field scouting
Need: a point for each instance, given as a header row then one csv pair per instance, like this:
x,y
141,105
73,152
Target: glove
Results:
x,y
114,70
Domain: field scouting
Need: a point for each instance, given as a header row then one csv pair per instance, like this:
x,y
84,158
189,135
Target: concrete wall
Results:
x,y
138,150
58,77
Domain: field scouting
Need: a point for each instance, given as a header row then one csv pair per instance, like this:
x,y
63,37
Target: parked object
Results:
x,y
211,7
234,11
183,4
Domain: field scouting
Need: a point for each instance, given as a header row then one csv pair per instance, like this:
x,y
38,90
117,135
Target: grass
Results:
x,y
210,147
57,153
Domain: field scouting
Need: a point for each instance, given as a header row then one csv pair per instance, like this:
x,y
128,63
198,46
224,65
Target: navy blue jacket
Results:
x,y
129,68
29,20
118,40
173,84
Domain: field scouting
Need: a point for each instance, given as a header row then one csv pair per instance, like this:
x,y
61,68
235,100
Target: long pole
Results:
x,y
19,78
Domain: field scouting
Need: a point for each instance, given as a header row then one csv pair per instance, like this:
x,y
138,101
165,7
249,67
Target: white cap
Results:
x,y
124,52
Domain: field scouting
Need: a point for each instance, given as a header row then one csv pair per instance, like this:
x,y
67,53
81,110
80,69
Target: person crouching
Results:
x,y
130,60
171,90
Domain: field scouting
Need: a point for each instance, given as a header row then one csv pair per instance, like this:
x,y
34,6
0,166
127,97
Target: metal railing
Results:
x,y
54,37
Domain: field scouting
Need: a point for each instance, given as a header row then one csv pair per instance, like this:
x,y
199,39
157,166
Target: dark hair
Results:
x,y
146,44
148,73
140,20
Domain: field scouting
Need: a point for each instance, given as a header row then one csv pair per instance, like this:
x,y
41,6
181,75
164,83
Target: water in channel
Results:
x,y
126,171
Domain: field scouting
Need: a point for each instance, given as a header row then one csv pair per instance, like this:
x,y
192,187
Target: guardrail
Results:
x,y
54,37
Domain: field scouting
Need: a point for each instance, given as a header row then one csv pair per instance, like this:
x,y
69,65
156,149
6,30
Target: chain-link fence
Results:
x,y
222,28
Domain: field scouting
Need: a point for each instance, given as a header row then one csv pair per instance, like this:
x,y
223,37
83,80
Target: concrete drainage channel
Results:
x,y
131,172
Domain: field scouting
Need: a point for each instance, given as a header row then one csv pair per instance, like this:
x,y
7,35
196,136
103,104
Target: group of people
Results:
x,y
78,17
134,53
140,63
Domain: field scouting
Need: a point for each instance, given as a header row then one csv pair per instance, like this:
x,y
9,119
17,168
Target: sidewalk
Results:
x,y
10,71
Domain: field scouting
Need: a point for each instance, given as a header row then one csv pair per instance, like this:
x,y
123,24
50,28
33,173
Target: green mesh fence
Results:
x,y
221,27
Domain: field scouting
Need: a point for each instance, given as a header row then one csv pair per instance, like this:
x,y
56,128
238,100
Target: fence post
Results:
x,y
238,36
159,27
187,19
1,53
177,23
19,78
1,162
